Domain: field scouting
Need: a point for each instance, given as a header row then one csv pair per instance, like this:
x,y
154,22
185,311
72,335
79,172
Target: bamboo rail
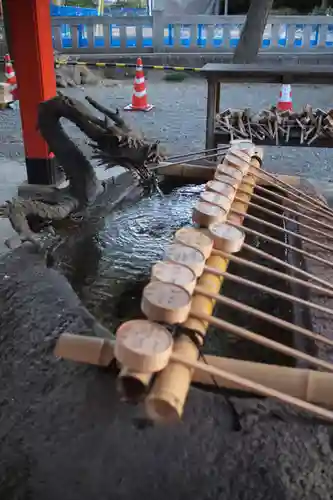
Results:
x,y
163,375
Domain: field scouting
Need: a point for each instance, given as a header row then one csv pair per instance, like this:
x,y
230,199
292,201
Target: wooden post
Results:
x,y
29,25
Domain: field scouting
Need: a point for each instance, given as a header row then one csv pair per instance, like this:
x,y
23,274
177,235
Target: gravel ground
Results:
x,y
179,119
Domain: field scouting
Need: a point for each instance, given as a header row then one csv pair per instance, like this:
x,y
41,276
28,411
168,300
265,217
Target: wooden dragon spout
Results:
x,y
113,142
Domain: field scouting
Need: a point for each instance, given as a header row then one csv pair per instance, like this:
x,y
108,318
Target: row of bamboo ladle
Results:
x,y
146,346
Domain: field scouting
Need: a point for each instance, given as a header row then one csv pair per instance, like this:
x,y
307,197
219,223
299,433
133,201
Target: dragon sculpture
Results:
x,y
113,142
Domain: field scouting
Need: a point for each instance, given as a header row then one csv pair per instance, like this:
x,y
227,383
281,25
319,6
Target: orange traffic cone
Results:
x,y
285,102
10,76
139,97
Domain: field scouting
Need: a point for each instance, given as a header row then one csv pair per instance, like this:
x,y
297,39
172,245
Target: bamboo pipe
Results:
x,y
275,259
308,385
326,289
128,377
188,171
241,214
218,298
133,385
272,291
290,201
202,172
305,385
321,207
99,352
235,304
172,384
261,340
84,349
285,245
160,289
159,408
293,202
159,166
207,173
285,231
183,344
284,217
300,195
180,157
293,191
291,210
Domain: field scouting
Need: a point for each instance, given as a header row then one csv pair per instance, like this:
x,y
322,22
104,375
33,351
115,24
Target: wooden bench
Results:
x,y
216,74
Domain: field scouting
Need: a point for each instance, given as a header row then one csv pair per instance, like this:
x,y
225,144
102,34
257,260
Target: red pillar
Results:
x,y
28,23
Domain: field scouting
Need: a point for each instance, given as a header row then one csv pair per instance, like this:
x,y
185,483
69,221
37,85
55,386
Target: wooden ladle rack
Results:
x,y
160,355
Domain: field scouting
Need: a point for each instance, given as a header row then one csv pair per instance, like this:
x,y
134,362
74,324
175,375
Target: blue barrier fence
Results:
x,y
114,41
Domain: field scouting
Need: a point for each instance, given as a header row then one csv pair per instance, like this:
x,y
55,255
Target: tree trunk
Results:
x,y
324,4
251,37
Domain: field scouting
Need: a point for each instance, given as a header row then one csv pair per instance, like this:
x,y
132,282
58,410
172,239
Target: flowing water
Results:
x,y
108,262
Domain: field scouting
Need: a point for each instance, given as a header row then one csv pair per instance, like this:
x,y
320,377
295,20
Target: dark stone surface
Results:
x,y
65,434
